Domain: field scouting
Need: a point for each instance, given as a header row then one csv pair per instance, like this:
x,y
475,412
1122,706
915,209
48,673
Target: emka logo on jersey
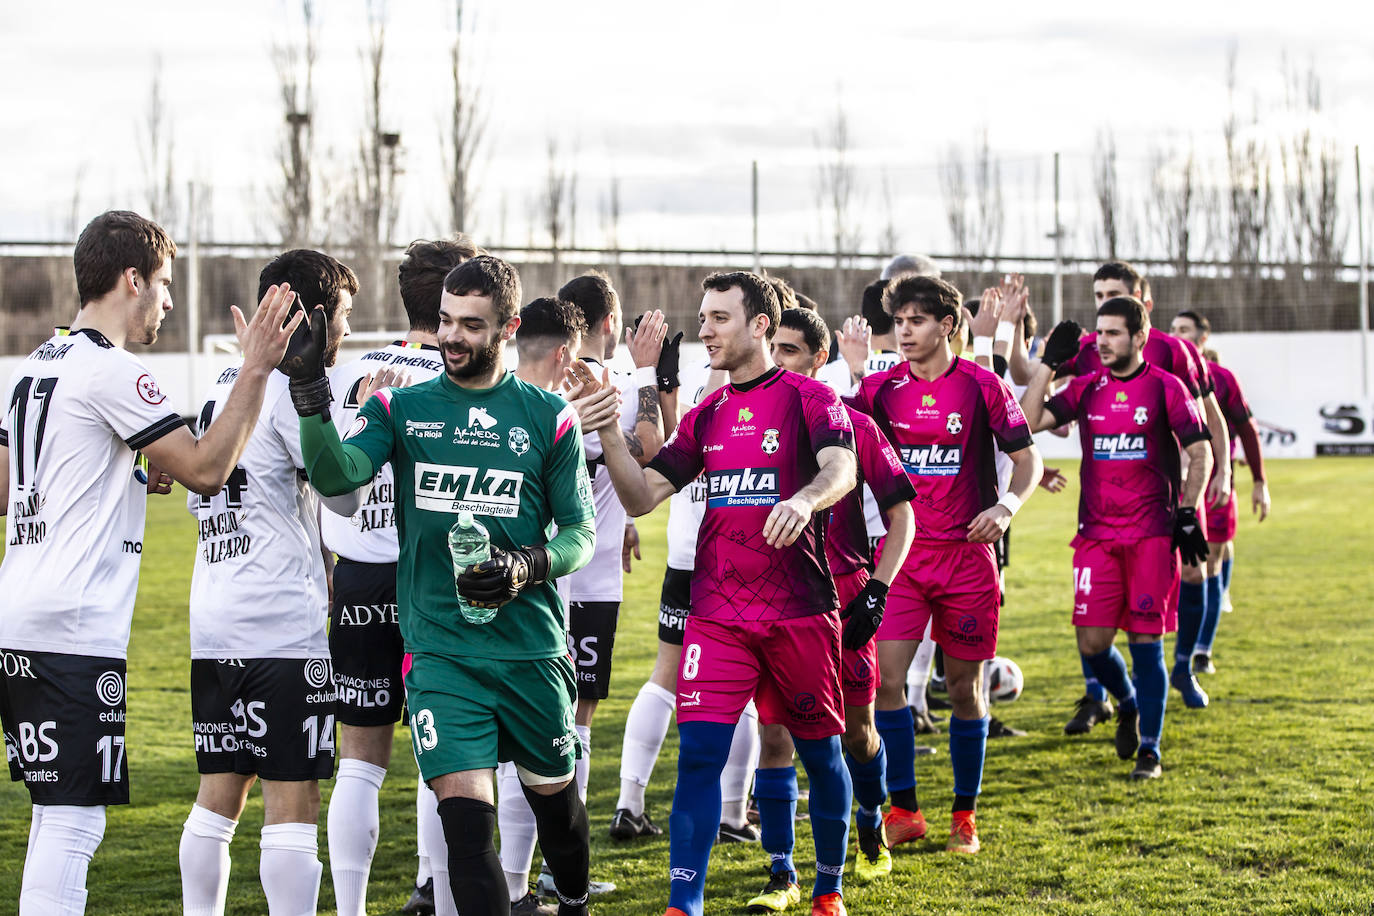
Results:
x,y
742,487
1121,447
932,460
452,488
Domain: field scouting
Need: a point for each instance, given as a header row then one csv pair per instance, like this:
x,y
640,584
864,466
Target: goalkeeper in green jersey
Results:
x,y
476,438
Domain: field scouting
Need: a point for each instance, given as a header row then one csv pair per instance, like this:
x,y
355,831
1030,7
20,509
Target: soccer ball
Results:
x,y
1002,680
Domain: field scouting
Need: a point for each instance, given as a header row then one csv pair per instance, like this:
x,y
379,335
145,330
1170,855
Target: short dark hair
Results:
x,y
811,326
806,302
547,322
487,275
1202,324
592,294
421,276
787,296
872,308
1119,270
315,278
1128,307
929,295
112,243
759,295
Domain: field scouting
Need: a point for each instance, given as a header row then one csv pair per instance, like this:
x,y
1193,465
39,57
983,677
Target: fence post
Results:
x,y
1364,280
1058,236
192,297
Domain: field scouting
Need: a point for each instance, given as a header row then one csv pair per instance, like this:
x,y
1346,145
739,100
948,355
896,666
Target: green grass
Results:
x,y
1264,807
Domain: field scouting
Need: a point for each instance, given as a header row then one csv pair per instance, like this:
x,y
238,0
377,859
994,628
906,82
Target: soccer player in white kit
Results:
x,y
80,408
364,635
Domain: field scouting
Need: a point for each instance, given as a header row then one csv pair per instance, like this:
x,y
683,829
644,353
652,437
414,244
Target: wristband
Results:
x,y
646,377
1010,501
982,346
1006,332
311,398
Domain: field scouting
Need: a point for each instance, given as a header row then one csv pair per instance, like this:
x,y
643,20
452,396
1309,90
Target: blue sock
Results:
x,y
870,786
968,741
1207,633
898,731
775,793
1191,608
1152,690
1111,672
703,748
1091,685
831,795
1226,576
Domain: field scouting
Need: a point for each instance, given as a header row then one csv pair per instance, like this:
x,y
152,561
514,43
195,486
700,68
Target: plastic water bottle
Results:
x,y
469,543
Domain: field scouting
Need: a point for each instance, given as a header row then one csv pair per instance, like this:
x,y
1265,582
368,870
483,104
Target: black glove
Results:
x,y
493,582
863,614
304,363
1189,537
1062,344
669,359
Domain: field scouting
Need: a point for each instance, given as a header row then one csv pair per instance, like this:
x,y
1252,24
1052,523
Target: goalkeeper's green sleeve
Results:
x,y
334,468
571,548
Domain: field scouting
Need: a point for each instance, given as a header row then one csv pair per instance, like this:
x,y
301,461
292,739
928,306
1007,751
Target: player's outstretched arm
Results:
x,y
203,465
838,470
854,339
639,489
1254,457
1026,470
1220,488
1199,469
1038,418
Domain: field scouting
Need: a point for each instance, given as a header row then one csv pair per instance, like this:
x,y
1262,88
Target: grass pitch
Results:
x,y
1265,805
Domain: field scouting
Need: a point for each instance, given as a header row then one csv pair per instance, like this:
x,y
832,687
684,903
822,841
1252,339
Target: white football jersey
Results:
x,y
874,521
603,578
370,535
258,589
78,409
687,506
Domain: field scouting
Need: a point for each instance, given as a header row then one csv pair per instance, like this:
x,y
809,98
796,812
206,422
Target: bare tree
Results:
x,y
954,190
988,202
554,203
156,153
887,239
466,127
974,206
836,193
294,198
1108,193
610,218
1173,209
1248,191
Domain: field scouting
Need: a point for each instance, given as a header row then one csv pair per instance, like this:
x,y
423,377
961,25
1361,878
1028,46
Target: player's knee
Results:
x,y
860,737
775,747
1095,640
703,745
469,825
76,828
1191,574
290,802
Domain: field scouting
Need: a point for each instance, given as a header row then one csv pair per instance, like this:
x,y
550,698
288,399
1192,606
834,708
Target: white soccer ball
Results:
x,y
1002,680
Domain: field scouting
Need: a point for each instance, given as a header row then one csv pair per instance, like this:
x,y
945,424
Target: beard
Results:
x,y
1115,363
480,360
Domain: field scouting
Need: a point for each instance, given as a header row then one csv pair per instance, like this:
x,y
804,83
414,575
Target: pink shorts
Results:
x,y
1221,521
858,669
791,669
953,586
1128,585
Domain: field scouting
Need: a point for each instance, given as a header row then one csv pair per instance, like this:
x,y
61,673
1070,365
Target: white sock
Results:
x,y
645,729
352,824
583,771
422,870
35,822
918,675
436,848
290,868
204,857
739,768
426,807
515,822
60,852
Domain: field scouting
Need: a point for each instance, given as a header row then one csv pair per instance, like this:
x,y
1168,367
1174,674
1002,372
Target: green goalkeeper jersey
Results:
x,y
511,455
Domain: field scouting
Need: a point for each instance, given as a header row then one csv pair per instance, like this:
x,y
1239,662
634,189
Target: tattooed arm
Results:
x,y
646,438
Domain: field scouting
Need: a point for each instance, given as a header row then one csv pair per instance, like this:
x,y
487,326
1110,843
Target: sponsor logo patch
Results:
x,y
454,488
932,460
742,487
1121,447
148,390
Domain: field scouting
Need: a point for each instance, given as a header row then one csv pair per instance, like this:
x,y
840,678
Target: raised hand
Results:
x,y
645,340
264,338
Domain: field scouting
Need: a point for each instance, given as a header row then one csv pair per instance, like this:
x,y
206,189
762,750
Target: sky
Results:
x,y
672,100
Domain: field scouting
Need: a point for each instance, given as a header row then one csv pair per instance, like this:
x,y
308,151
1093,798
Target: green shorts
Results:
x,y
472,713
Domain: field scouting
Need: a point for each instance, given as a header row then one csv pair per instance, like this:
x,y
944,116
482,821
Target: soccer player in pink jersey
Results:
x,y
946,416
1134,418
1179,357
776,449
1221,522
801,345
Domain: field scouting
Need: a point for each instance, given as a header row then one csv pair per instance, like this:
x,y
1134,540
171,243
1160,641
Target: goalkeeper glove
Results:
x,y
1062,345
498,580
669,360
1189,537
304,363
863,615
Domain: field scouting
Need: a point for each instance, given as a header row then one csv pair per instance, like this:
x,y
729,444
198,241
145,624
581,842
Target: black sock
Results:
x,y
940,663
474,871
904,798
565,838
965,803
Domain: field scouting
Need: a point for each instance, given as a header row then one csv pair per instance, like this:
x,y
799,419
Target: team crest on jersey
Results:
x,y
148,390
518,440
1142,416
954,423
770,441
